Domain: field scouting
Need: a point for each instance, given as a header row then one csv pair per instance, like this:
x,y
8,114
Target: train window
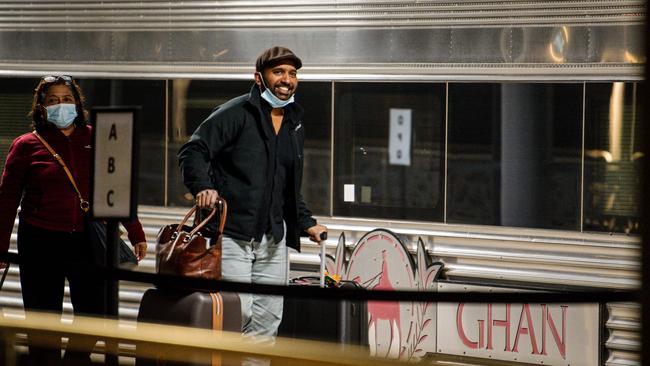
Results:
x,y
16,100
149,95
193,100
612,152
474,153
316,99
514,154
389,150
15,104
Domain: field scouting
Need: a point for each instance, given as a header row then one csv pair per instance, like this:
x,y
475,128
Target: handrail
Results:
x,y
192,340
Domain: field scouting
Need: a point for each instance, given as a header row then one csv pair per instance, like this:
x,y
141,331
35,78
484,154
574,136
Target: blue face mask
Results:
x,y
274,101
61,115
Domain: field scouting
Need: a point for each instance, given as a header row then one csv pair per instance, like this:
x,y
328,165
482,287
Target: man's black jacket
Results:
x,y
229,152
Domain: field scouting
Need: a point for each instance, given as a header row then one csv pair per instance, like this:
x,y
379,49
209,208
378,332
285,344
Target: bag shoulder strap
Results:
x,y
85,206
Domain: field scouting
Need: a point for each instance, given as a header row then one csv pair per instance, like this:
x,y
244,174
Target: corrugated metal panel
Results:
x,y
14,120
623,341
527,256
338,40
86,15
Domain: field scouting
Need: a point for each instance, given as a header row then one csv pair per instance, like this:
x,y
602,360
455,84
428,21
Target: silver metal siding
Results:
x,y
139,15
526,256
338,40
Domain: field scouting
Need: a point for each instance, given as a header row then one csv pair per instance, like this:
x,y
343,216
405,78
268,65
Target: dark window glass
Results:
x,y
389,150
192,102
612,152
316,99
16,101
474,154
149,95
514,155
15,104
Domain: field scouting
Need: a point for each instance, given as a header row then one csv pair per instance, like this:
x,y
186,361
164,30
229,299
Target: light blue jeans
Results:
x,y
257,262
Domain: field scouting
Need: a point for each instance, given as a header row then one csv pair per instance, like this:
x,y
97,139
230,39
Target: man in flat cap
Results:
x,y
250,152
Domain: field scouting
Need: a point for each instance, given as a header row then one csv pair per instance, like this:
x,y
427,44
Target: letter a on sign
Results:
x,y
113,162
113,134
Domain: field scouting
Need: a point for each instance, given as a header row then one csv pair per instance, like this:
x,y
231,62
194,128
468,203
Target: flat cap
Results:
x,y
274,55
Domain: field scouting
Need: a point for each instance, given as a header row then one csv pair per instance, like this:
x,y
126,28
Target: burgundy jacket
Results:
x,y
33,179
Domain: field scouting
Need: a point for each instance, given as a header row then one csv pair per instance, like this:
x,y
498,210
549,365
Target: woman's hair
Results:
x,y
38,118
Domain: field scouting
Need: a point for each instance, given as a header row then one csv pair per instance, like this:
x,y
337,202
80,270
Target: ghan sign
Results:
x,y
547,334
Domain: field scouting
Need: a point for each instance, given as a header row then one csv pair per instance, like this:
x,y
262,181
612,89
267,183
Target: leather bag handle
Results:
x,y
200,225
196,229
221,204
224,209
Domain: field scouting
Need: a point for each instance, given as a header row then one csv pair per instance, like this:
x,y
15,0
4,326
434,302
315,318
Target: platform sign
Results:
x,y
399,141
544,334
113,192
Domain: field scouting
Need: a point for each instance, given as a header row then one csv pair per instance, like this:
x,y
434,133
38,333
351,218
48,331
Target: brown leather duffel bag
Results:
x,y
185,250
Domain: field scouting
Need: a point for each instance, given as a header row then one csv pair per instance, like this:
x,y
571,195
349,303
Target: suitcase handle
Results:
x,y
323,238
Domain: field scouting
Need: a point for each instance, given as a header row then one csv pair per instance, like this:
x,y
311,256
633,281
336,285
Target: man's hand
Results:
x,y
207,198
140,250
315,231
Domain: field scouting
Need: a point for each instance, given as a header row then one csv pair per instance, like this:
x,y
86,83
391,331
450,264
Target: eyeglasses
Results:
x,y
50,79
55,78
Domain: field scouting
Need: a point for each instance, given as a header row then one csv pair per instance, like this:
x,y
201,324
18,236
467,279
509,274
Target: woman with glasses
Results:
x,y
52,240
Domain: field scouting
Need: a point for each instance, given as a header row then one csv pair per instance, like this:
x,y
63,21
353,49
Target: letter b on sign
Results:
x,y
111,165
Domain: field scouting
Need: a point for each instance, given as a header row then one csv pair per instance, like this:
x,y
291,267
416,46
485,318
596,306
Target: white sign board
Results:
x,y
348,193
543,334
113,161
399,142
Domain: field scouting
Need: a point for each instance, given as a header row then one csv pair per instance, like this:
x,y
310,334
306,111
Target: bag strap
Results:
x,y
221,204
85,206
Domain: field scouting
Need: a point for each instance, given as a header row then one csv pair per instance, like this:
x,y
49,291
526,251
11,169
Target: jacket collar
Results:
x,y
52,133
293,111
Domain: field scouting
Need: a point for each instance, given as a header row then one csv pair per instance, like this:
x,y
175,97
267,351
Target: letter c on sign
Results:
x,y
109,198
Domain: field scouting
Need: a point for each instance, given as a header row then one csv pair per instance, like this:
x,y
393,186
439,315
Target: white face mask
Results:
x,y
272,99
61,115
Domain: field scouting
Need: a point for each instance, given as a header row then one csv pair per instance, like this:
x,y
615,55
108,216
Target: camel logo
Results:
x,y
380,261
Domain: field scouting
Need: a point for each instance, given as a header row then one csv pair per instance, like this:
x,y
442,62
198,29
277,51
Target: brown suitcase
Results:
x,y
218,311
